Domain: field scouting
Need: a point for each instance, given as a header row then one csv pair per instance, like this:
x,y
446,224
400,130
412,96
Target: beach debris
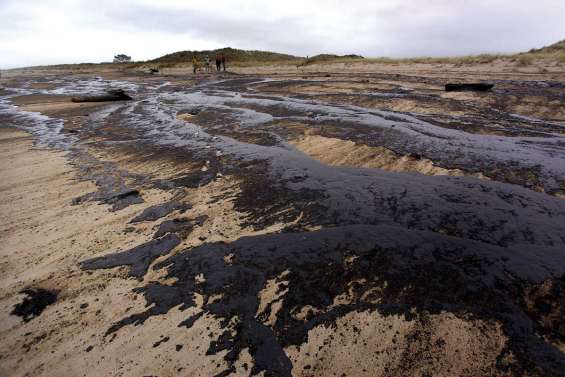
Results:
x,y
153,70
33,305
111,95
469,87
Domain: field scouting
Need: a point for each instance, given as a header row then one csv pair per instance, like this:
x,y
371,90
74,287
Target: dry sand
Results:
x,y
347,153
43,237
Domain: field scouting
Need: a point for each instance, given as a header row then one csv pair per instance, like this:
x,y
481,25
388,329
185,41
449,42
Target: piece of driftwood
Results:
x,y
112,95
473,87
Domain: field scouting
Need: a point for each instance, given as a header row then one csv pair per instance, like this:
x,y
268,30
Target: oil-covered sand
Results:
x,y
300,223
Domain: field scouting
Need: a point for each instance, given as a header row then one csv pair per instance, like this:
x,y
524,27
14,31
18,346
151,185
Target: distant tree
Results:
x,y
122,58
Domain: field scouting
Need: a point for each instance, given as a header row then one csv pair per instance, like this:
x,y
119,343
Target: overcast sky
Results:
x,y
36,32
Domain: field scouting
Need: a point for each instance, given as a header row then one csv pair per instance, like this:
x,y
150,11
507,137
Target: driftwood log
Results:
x,y
112,95
474,87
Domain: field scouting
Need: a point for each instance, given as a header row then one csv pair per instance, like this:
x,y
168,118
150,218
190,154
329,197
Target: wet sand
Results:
x,y
357,224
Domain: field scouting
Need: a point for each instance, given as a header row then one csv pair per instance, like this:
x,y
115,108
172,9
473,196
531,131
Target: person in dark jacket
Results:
x,y
218,62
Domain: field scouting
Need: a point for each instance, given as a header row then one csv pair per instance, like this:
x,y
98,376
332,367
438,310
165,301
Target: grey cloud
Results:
x,y
285,35
398,31
391,28
469,30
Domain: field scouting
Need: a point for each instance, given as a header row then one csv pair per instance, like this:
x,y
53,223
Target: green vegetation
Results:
x,y
472,59
232,55
558,47
246,58
525,60
554,52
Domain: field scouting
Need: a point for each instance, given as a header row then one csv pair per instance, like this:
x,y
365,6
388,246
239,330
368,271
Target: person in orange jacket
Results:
x,y
194,64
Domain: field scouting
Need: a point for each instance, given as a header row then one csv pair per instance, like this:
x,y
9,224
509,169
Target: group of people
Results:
x,y
220,63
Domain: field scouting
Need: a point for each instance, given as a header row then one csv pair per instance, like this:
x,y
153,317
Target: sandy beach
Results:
x,y
333,220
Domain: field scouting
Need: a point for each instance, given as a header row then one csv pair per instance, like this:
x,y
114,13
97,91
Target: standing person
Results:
x,y
218,62
207,63
223,58
194,63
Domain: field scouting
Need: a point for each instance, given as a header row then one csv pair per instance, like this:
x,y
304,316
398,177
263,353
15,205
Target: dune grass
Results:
x,y
242,58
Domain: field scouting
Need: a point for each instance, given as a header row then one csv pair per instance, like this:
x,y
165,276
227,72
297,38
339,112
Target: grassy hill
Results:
x,y
554,52
555,48
243,58
236,57
248,57
232,55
